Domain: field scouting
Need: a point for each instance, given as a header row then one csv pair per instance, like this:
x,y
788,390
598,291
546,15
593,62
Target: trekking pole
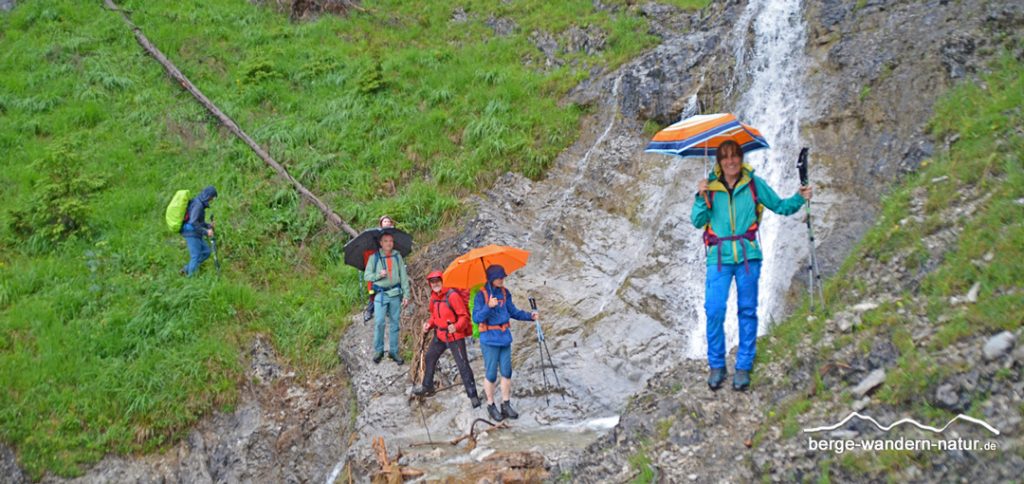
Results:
x,y
424,418
813,274
213,243
543,344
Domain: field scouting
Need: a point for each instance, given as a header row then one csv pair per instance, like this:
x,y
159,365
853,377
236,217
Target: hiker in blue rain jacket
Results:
x,y
492,311
195,229
730,228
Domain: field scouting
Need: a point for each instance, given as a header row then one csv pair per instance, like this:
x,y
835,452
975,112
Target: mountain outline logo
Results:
x,y
908,420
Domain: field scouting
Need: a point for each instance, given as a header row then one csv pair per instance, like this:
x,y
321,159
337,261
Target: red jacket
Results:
x,y
441,315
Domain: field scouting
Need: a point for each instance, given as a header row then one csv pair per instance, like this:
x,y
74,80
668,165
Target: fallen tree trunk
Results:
x,y
332,218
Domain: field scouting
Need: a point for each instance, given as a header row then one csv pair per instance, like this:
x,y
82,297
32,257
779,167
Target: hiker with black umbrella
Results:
x,y
449,316
386,270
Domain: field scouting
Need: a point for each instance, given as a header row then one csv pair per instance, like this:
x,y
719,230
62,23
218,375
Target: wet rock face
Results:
x,y
880,68
6,5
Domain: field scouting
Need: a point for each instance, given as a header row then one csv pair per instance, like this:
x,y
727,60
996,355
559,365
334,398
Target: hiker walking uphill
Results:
x,y
492,310
449,317
194,228
730,225
386,271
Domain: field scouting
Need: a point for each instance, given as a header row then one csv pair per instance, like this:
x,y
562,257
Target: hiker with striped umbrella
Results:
x,y
728,206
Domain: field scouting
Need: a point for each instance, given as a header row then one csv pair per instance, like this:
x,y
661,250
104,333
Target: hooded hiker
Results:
x,y
492,310
449,317
730,227
195,229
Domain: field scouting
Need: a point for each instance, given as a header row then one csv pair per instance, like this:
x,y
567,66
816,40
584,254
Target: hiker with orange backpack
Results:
x,y
493,310
449,317
194,228
386,270
384,222
730,223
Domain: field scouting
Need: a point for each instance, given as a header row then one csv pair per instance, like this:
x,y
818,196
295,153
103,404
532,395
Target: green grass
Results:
x,y
986,161
103,348
641,463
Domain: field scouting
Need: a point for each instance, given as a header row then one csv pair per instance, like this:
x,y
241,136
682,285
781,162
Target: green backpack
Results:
x,y
472,299
175,213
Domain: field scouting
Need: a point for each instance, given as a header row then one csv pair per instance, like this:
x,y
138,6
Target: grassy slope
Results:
x,y
103,347
987,157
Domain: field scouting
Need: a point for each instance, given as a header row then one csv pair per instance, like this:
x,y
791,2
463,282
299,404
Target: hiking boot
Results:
x,y
368,312
475,401
508,412
423,391
377,357
494,413
396,359
716,378
741,381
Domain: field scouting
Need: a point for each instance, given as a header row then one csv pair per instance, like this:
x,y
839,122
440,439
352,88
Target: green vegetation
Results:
x,y
641,463
985,163
103,347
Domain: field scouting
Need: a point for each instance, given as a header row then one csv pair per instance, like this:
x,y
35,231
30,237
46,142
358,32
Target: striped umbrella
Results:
x,y
700,136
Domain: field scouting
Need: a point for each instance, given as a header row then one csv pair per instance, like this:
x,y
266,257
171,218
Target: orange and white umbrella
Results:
x,y
701,135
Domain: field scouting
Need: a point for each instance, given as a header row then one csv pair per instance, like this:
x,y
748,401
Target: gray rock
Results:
x,y
6,5
998,345
1018,354
502,26
946,396
843,434
864,307
869,382
459,15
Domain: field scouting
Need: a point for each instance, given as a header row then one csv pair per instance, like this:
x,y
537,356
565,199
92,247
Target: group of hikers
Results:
x,y
727,205
450,319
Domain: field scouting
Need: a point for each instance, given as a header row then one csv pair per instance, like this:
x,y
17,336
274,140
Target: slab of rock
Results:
x,y
869,382
998,345
946,396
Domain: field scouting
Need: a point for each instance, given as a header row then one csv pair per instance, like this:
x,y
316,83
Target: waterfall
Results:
x,y
772,68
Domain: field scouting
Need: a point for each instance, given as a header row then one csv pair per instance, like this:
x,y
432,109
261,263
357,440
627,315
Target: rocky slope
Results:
x,y
284,429
679,430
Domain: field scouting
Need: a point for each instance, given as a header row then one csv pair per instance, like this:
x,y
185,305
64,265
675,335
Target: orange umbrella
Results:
x,y
467,270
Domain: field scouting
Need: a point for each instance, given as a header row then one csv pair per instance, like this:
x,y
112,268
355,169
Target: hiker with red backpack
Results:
x,y
194,228
736,197
449,316
493,310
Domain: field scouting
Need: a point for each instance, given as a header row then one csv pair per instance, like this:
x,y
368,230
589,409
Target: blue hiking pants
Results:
x,y
494,357
715,295
198,251
385,306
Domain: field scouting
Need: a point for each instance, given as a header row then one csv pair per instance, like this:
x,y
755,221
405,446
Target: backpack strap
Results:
x,y
448,301
758,208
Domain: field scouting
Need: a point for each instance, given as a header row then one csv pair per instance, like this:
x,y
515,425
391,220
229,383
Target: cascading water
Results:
x,y
773,66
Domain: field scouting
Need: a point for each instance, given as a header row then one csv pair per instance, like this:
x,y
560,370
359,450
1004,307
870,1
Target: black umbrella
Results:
x,y
368,240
